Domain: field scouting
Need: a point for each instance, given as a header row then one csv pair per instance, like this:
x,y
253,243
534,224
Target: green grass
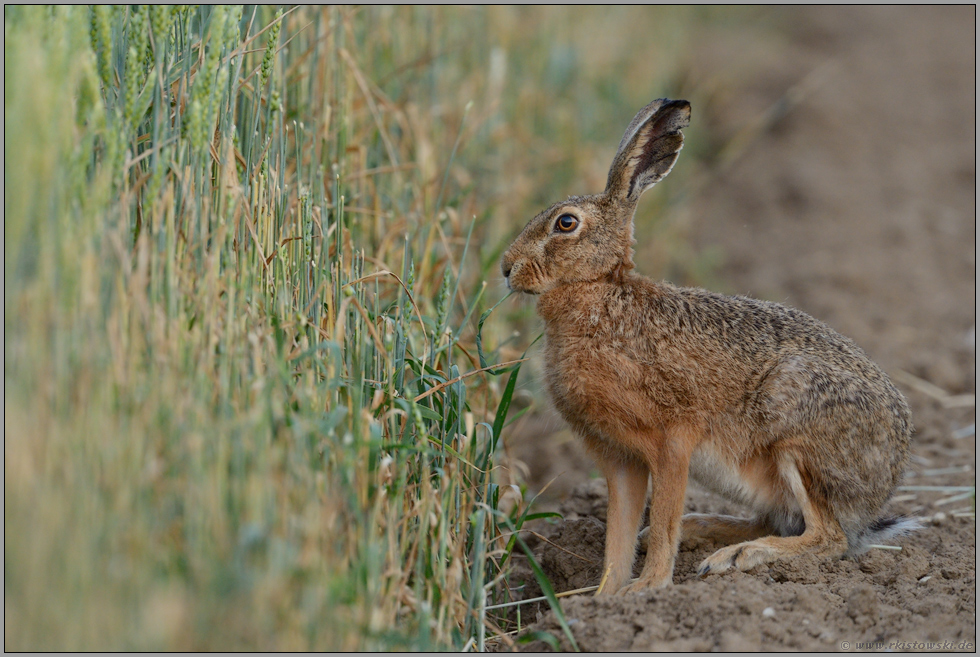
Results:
x,y
246,261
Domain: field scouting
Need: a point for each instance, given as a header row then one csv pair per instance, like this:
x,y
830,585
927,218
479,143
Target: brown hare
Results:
x,y
756,401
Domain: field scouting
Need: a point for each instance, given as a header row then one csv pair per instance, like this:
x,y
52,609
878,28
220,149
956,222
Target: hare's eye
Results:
x,y
566,223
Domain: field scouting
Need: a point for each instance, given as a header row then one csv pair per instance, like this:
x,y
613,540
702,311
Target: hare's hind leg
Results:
x,y
824,542
700,527
822,536
697,527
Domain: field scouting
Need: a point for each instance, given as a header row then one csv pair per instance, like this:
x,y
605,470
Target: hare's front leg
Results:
x,y
668,461
627,480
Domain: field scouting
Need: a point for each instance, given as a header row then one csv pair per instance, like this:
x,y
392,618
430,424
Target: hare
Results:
x,y
756,401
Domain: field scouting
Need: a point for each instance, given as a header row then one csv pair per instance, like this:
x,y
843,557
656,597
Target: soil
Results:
x,y
854,200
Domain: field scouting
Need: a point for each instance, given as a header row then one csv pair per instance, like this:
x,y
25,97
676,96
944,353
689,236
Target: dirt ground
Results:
x,y
854,201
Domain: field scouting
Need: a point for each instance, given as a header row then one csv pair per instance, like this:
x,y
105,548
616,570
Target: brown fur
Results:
x,y
758,402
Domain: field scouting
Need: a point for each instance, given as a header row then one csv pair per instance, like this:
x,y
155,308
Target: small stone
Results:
x,y
768,612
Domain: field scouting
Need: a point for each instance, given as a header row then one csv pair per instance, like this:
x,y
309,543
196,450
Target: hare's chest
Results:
x,y
596,385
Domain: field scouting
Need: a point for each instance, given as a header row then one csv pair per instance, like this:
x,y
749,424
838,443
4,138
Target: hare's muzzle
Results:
x,y
521,271
506,267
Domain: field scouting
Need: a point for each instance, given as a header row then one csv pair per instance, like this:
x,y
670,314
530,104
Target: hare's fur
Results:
x,y
758,402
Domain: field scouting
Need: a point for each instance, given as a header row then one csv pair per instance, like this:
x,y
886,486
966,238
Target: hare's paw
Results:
x,y
641,585
823,541
741,556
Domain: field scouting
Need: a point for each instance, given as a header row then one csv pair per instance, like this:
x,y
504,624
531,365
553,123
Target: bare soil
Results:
x,y
854,200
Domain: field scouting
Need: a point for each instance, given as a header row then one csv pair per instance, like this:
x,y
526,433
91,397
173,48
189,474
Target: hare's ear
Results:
x,y
649,148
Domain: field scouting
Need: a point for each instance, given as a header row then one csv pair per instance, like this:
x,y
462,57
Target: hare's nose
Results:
x,y
506,265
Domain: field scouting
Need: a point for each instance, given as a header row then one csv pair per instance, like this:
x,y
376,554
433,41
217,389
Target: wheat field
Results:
x,y
253,387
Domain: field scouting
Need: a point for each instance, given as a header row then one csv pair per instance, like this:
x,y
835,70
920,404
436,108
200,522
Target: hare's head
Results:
x,y
588,238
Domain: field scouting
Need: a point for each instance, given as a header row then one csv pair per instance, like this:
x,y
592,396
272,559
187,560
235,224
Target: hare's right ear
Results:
x,y
649,148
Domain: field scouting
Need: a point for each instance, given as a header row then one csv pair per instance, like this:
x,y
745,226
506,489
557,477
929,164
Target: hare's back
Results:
x,y
751,331
791,365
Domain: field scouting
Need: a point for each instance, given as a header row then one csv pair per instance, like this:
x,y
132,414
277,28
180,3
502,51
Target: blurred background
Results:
x,y
249,255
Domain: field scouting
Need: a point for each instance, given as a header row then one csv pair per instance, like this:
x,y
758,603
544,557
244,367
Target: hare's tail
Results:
x,y
882,530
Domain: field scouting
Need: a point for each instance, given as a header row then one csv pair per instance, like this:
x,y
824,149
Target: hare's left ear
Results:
x,y
649,148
